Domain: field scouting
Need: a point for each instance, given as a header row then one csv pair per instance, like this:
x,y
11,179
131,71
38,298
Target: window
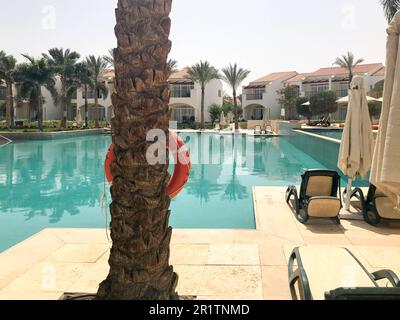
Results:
x,y
3,93
255,94
91,94
219,93
181,90
183,114
317,88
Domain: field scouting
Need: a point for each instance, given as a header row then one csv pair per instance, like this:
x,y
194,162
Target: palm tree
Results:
x,y
7,72
31,77
348,62
97,66
110,59
203,73
84,80
139,261
63,64
172,66
234,76
390,7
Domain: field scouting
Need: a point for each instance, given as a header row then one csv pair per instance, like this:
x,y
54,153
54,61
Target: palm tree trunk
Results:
x,y
96,106
40,108
9,105
203,94
63,107
236,111
139,261
86,107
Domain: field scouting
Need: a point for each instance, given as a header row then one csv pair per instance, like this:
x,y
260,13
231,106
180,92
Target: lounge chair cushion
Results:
x,y
332,268
319,186
324,207
387,209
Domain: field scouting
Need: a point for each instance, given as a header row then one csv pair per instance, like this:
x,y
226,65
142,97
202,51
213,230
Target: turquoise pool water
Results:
x,y
59,183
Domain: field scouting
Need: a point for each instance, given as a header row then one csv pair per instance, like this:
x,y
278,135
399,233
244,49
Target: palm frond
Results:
x,y
390,8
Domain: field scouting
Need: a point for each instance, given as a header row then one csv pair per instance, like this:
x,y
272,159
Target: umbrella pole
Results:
x,y
348,194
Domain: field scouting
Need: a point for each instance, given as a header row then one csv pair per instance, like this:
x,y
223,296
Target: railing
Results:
x,y
339,93
254,96
179,94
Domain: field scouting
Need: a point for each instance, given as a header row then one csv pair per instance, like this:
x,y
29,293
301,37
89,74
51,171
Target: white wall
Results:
x,y
269,101
213,95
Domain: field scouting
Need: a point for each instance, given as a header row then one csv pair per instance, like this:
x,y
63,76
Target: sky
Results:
x,y
262,36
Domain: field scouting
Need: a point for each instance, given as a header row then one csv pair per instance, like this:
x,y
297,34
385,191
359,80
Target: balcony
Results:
x,y
181,94
181,91
254,96
339,93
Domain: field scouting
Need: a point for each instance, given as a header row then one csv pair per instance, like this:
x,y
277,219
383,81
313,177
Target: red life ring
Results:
x,y
182,165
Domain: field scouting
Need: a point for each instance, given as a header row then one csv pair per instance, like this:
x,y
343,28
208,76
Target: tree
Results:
x,y
83,77
215,113
390,8
140,232
348,62
63,63
302,109
323,103
375,109
110,59
377,90
203,73
227,108
96,67
288,98
31,76
172,66
234,77
7,73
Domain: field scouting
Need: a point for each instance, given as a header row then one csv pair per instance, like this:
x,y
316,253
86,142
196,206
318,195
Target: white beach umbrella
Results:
x,y
306,104
385,173
345,100
356,149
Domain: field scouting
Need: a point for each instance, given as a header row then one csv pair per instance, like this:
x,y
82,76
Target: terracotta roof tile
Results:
x,y
275,77
180,75
362,68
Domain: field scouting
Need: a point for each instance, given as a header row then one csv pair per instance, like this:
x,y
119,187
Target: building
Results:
x,y
76,111
185,101
260,97
336,79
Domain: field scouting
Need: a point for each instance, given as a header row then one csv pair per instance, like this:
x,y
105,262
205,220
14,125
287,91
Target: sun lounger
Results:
x,y
321,273
318,196
257,130
376,206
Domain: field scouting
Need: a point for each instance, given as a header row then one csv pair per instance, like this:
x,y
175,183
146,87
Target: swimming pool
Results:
x,y
59,183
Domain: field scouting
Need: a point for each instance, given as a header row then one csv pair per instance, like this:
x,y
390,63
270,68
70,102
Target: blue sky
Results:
x,y
261,35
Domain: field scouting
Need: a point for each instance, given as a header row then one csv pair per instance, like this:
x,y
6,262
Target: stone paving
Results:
x,y
212,264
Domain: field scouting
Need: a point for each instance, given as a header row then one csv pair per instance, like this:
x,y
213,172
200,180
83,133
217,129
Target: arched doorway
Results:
x,y
257,112
183,113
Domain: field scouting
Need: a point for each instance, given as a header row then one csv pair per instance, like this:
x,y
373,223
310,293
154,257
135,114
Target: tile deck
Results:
x,y
212,264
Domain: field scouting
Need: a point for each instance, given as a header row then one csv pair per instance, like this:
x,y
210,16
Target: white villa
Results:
x,y
185,99
260,97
